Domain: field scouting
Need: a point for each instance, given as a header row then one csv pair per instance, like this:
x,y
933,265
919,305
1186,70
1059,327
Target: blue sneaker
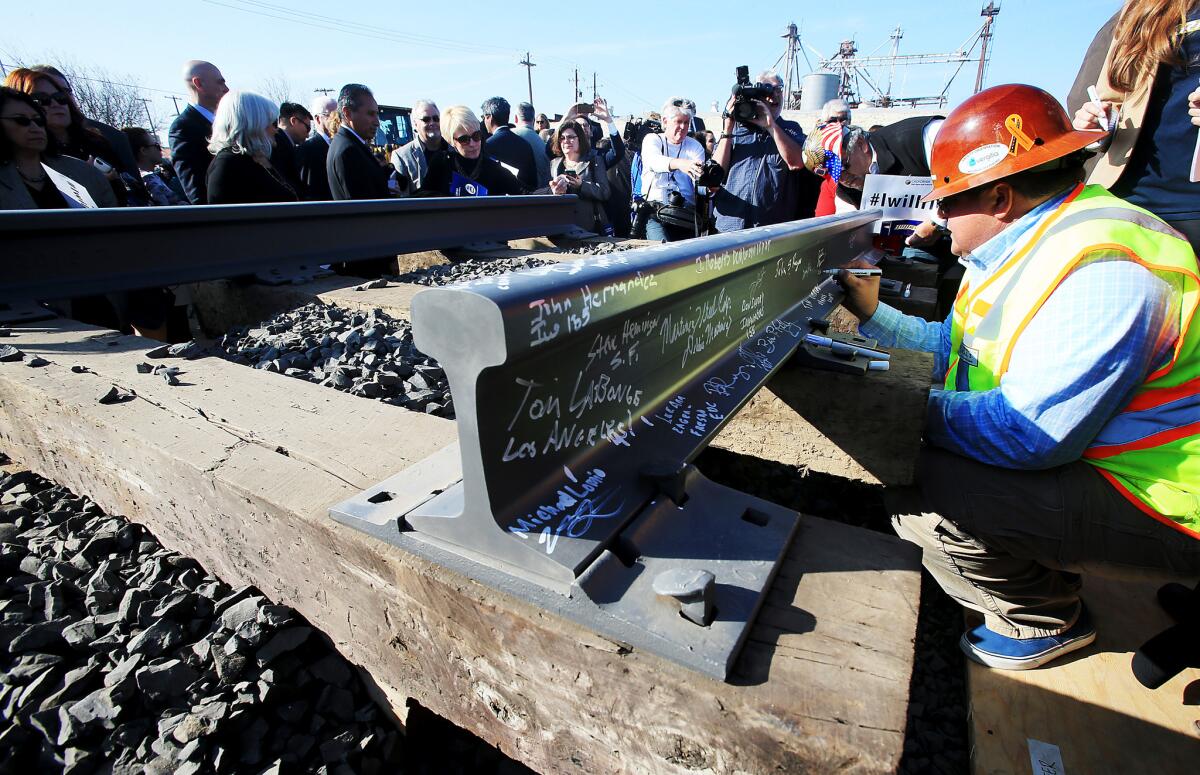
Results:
x,y
999,651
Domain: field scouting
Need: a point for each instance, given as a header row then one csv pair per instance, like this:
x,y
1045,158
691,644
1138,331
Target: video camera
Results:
x,y
744,110
637,129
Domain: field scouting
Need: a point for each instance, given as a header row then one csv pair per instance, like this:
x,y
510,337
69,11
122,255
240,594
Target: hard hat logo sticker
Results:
x,y
1014,125
982,158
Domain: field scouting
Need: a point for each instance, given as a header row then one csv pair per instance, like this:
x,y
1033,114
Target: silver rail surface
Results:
x,y
48,254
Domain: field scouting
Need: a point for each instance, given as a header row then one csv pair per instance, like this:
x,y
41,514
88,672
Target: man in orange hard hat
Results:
x,y
1065,434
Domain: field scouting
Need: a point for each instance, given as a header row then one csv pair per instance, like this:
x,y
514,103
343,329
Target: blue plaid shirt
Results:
x,y
1075,366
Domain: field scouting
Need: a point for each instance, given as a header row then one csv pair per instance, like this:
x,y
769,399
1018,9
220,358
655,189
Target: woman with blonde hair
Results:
x,y
1147,86
473,172
242,138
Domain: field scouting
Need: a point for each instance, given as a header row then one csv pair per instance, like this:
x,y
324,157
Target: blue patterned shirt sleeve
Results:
x,y
892,328
1077,363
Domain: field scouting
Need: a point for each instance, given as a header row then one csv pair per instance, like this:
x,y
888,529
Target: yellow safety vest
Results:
x,y
1150,451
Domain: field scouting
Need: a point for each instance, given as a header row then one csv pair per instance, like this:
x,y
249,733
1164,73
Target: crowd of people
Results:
x,y
238,147
1065,433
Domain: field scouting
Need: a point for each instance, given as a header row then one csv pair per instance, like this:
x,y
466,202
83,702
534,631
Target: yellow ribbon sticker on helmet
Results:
x,y
1013,124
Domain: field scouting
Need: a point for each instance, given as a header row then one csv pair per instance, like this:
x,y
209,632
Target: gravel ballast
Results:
x,y
120,656
469,269
367,354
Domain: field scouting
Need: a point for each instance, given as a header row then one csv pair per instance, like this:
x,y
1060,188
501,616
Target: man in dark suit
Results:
x,y
505,145
291,129
312,153
191,129
353,171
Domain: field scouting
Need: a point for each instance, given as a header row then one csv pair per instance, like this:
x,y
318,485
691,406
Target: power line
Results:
x,y
333,24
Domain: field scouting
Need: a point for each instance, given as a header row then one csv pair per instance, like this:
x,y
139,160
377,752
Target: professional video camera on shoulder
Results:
x,y
744,94
636,130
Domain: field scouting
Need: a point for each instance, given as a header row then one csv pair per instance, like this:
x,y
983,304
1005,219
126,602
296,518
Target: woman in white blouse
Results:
x,y
672,162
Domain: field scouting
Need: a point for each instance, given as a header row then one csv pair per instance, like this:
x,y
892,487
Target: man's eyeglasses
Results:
x,y
44,100
838,119
24,121
474,137
431,120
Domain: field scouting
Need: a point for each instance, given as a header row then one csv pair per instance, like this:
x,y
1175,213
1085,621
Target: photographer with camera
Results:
x,y
760,153
672,163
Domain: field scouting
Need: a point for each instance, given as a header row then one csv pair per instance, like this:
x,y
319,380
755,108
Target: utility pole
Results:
x,y
174,99
989,13
528,64
577,94
146,104
595,94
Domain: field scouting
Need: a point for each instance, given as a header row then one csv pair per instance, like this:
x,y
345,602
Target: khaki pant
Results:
x,y
1011,544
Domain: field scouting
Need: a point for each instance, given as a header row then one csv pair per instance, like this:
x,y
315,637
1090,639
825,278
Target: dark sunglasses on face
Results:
x,y
61,98
474,137
24,121
838,119
431,120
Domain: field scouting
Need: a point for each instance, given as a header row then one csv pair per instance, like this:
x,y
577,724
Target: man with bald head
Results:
x,y
190,131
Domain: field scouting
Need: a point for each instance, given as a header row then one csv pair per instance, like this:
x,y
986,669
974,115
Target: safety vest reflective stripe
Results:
x,y
1157,397
1128,432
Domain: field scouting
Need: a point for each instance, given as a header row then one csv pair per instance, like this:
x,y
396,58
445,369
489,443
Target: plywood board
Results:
x,y
1088,704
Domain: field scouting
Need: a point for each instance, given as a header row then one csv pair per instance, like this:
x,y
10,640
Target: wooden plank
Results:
x,y
866,428
1090,705
237,468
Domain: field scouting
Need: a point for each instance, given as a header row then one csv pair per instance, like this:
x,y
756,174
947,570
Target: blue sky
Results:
x,y
466,51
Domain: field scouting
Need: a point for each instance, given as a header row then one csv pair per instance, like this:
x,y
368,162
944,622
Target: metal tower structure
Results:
x,y
989,13
790,62
859,79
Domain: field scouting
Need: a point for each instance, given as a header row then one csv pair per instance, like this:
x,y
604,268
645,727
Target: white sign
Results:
x,y
900,197
74,192
1045,758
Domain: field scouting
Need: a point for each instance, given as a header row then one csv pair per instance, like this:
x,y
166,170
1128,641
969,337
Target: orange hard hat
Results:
x,y
999,132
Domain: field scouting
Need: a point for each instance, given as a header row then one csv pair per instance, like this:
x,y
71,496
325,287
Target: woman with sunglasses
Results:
x,y
26,151
28,156
578,169
67,126
472,172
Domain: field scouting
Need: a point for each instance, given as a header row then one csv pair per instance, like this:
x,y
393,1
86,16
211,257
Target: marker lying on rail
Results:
x,y
844,348
856,272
